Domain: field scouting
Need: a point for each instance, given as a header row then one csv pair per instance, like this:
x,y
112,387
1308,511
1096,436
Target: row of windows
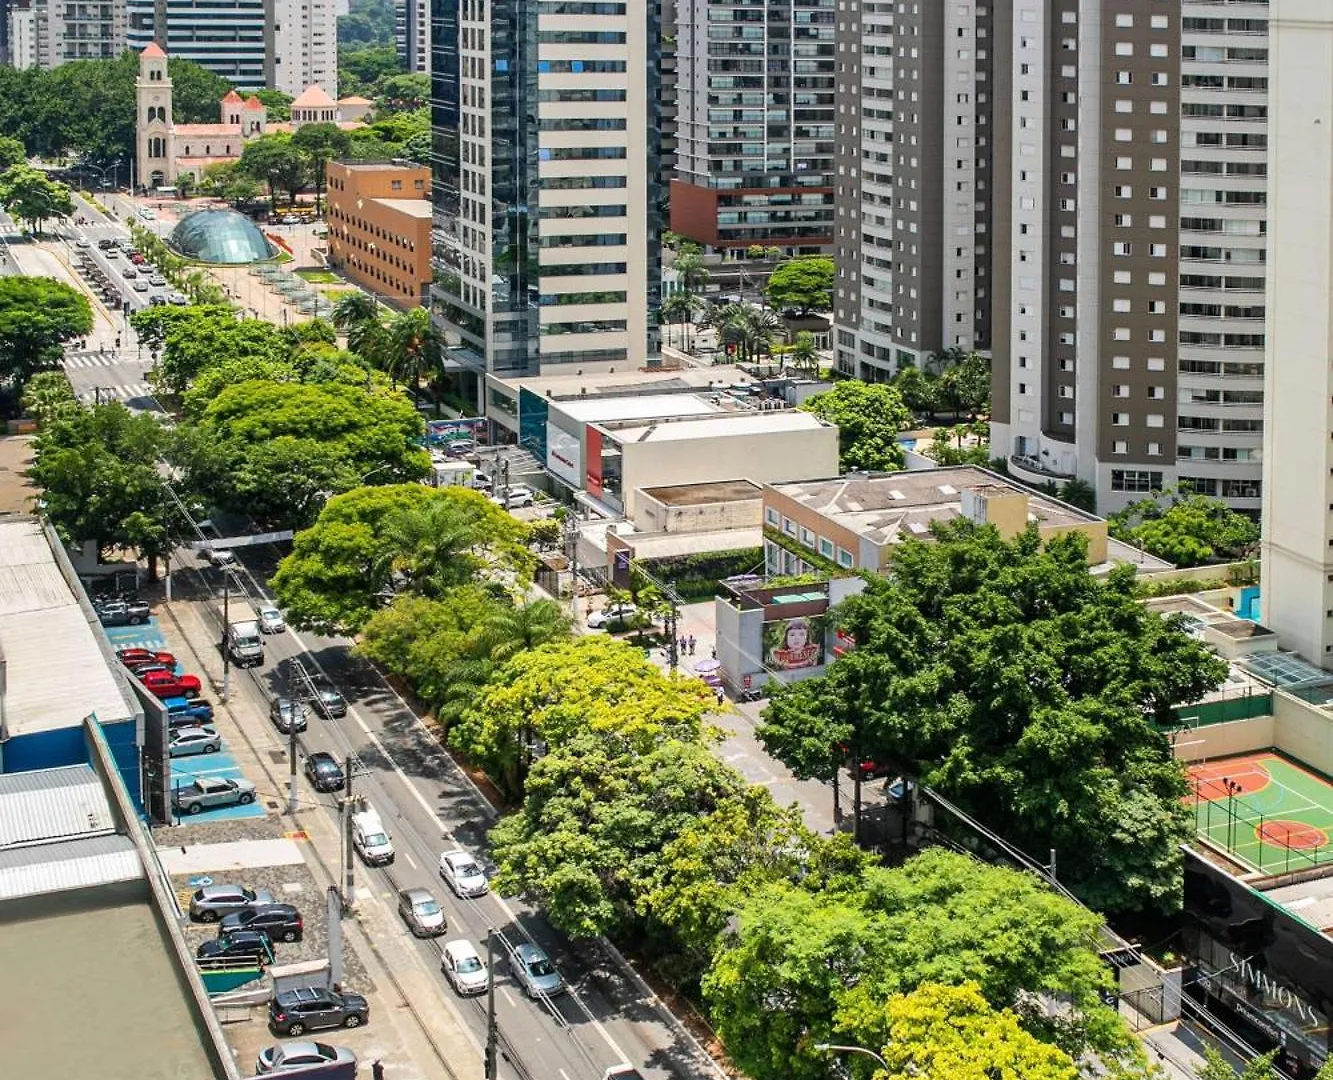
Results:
x,y
826,547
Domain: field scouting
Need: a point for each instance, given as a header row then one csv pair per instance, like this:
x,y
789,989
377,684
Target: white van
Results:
x,y
371,839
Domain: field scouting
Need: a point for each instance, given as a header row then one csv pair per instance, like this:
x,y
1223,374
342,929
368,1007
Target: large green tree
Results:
x,y
321,143
30,195
1010,679
214,334
1186,528
869,417
37,316
278,161
277,451
803,285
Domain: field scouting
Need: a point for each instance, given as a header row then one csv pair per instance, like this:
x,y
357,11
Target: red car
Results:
x,y
163,684
134,659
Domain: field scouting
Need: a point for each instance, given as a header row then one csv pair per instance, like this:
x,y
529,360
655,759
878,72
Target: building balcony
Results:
x,y
1033,471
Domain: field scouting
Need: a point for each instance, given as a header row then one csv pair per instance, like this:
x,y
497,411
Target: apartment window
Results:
x,y
1120,419
1136,480
826,547
1124,48
1120,363
1124,78
789,526
1124,191
1120,446
1124,163
1064,391
845,558
1120,390
1121,306
1122,247
1067,418
772,516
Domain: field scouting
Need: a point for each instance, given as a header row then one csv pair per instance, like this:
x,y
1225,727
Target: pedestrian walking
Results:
x,y
680,647
691,643
721,696
377,1070
713,650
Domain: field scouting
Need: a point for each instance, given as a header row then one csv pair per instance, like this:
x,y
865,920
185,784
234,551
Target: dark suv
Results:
x,y
281,922
324,772
312,1008
284,712
238,945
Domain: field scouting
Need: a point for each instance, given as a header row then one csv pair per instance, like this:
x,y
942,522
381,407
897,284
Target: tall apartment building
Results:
x,y
411,26
1297,552
755,124
21,24
64,30
667,93
546,186
1077,186
285,45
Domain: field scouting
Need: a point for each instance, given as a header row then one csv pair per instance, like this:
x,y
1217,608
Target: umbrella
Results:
x,y
703,667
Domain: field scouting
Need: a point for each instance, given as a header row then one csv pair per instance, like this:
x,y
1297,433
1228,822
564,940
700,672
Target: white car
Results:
x,y
514,495
613,613
223,557
271,620
463,873
465,970
194,740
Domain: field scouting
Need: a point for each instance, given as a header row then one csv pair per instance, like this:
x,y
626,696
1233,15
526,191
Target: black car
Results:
x,y
277,922
324,772
329,703
284,712
238,945
312,1008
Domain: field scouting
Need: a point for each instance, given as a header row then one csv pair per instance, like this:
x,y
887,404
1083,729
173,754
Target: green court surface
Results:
x,y
1267,811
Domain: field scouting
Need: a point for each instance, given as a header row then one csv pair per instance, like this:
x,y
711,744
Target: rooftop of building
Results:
x,y
56,673
355,99
217,131
417,208
562,384
381,165
706,494
729,425
596,410
313,96
886,507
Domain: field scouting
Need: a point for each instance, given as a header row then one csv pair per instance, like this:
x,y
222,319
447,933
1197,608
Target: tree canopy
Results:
x,y
869,417
195,338
30,195
37,316
803,285
1007,677
1186,528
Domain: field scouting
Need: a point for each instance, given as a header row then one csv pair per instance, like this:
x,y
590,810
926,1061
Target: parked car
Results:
x,y
184,712
271,620
207,792
212,902
81,243
123,612
465,970
137,258
612,613
239,945
157,280
178,299
329,703
324,772
286,713
288,1056
279,922
140,284
157,300
463,874
514,496
535,972
112,253
137,658
481,481
164,684
129,273
313,1008
422,912
194,740
105,245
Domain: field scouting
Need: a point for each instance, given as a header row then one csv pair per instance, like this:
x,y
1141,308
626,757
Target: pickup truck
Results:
x,y
123,613
207,791
184,711
163,684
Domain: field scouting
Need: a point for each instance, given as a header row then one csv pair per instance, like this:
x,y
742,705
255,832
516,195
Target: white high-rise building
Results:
x,y
306,45
1297,551
411,25
64,31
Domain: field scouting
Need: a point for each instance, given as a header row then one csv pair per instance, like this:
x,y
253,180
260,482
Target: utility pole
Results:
x,y
226,621
572,553
349,863
298,710
673,649
492,1032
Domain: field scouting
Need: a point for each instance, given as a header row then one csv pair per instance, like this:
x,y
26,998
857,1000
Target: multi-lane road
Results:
x,y
430,806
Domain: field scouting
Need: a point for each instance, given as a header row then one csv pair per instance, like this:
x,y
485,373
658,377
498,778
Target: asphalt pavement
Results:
x,y
430,806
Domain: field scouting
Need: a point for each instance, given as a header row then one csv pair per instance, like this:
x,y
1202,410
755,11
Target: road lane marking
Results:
x,y
510,998
410,861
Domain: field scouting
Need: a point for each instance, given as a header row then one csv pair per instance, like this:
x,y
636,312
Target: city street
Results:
x,y
431,806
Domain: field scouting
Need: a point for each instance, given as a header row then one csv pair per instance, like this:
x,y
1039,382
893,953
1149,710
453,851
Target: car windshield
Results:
x,y
426,907
540,966
468,869
376,840
469,964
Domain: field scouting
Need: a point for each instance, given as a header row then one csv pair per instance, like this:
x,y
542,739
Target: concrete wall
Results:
x,y
1304,731
654,516
1223,740
765,457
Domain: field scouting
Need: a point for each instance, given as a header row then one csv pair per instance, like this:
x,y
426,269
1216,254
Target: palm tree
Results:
x,y
358,316
411,346
430,547
677,308
513,630
751,329
690,269
803,355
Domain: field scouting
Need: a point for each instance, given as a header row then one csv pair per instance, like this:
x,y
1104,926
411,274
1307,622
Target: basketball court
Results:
x,y
1264,809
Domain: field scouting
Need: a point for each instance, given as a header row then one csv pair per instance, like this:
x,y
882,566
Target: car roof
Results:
x,y
302,1046
461,948
458,856
322,756
210,891
192,730
416,895
528,951
258,909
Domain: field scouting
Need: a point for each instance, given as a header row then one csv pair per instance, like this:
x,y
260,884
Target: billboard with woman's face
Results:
x,y
790,644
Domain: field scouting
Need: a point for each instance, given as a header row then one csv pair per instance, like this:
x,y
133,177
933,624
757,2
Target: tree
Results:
x,y
30,195
37,316
277,161
806,966
953,1033
321,143
869,417
1009,679
419,147
920,391
341,569
411,346
98,469
357,315
276,451
403,91
966,385
1216,1067
360,70
195,91
191,346
804,355
1186,528
48,396
750,328
277,105
805,285
11,152
1079,493
153,324
690,270
554,691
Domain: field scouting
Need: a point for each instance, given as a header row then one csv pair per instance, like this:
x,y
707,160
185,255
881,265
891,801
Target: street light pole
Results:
x,y
492,1032
825,1048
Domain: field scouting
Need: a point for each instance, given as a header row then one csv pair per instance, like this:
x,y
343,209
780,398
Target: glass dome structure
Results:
x,y
220,236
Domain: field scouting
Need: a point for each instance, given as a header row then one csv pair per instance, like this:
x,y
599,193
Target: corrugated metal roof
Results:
x,y
55,670
75,864
52,804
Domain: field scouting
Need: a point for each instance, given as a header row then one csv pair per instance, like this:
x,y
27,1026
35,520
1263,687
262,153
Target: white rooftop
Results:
x,y
559,382
636,407
55,670
419,208
721,427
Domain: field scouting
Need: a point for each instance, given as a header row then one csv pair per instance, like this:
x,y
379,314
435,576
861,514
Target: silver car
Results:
x,y
535,972
421,912
465,970
194,740
463,874
211,902
271,621
303,1054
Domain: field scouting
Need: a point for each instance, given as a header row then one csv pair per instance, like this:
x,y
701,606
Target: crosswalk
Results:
x,y
108,358
127,393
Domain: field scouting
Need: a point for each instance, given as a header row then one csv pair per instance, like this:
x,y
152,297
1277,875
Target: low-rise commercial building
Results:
x,y
379,218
